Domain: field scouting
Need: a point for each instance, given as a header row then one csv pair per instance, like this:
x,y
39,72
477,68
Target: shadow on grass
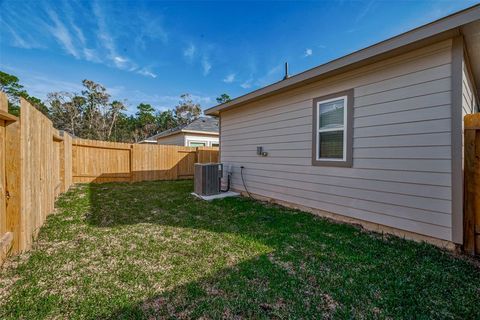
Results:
x,y
315,268
260,288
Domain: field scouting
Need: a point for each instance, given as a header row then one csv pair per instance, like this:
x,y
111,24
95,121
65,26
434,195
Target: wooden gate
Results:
x,y
471,208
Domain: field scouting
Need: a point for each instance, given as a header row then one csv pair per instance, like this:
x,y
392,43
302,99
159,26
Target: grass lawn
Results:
x,y
150,250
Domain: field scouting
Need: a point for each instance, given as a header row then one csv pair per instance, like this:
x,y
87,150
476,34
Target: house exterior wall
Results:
x,y
174,139
469,98
184,139
401,175
207,139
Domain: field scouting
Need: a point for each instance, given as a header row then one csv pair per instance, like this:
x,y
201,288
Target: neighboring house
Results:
x,y
374,137
202,132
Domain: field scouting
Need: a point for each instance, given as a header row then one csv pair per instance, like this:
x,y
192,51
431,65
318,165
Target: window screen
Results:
x,y
332,129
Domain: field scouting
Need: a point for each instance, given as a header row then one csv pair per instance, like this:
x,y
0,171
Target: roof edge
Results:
x,y
212,133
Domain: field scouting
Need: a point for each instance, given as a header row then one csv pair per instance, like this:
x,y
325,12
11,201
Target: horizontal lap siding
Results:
x,y
177,139
468,97
401,174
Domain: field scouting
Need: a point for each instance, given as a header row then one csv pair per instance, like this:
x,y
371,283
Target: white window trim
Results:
x,y
344,129
189,142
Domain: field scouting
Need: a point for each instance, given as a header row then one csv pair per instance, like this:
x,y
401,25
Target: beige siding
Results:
x,y
401,174
469,99
174,139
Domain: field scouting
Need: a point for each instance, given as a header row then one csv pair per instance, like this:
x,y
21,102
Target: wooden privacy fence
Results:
x,y
37,163
101,161
471,217
35,167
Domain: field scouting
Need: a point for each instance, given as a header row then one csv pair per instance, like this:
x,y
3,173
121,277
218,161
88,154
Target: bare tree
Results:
x,y
66,111
186,111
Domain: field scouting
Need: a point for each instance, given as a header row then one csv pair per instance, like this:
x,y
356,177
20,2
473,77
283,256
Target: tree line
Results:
x,y
93,114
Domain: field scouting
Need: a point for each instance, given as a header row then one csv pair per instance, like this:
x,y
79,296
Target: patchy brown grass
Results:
x,y
151,251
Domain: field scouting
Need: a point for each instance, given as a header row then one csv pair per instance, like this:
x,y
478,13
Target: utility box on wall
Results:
x,y
207,178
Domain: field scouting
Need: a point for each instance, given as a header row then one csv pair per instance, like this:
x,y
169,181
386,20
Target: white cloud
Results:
x,y
149,28
62,34
105,37
189,52
91,55
23,41
206,65
147,73
366,9
120,61
229,78
162,102
39,85
96,40
273,75
247,84
108,41
308,52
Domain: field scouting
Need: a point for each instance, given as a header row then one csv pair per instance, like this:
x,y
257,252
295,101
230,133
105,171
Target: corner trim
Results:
x,y
456,142
349,131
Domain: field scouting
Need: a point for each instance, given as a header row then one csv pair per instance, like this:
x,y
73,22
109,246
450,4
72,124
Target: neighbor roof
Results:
x,y
207,125
443,28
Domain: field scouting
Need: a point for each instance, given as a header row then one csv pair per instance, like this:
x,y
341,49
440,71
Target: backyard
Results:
x,y
151,250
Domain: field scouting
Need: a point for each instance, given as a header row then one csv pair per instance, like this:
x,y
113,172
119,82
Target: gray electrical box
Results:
x,y
207,178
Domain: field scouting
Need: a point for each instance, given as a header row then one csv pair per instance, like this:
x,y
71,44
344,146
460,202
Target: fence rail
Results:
x,y
100,161
37,164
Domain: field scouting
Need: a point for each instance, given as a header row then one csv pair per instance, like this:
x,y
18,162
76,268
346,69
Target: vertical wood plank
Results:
x,y
3,198
476,185
13,181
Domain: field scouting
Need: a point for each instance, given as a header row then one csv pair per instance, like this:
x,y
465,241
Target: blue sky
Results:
x,y
153,51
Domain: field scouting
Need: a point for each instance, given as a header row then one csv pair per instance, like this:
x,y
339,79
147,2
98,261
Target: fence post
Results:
x,y
132,178
471,208
62,169
10,170
13,186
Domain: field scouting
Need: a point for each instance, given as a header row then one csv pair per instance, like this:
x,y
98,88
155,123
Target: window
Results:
x,y
196,144
332,130
214,144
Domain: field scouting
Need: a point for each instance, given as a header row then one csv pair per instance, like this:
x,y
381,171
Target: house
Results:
x,y
374,137
202,132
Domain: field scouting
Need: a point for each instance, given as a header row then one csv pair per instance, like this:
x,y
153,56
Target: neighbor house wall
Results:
x,y
177,139
208,139
401,174
183,139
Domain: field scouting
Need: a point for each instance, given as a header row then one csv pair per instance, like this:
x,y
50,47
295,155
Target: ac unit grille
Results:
x,y
207,178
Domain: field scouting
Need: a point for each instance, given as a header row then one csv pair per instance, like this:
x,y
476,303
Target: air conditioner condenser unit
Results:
x,y
207,177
